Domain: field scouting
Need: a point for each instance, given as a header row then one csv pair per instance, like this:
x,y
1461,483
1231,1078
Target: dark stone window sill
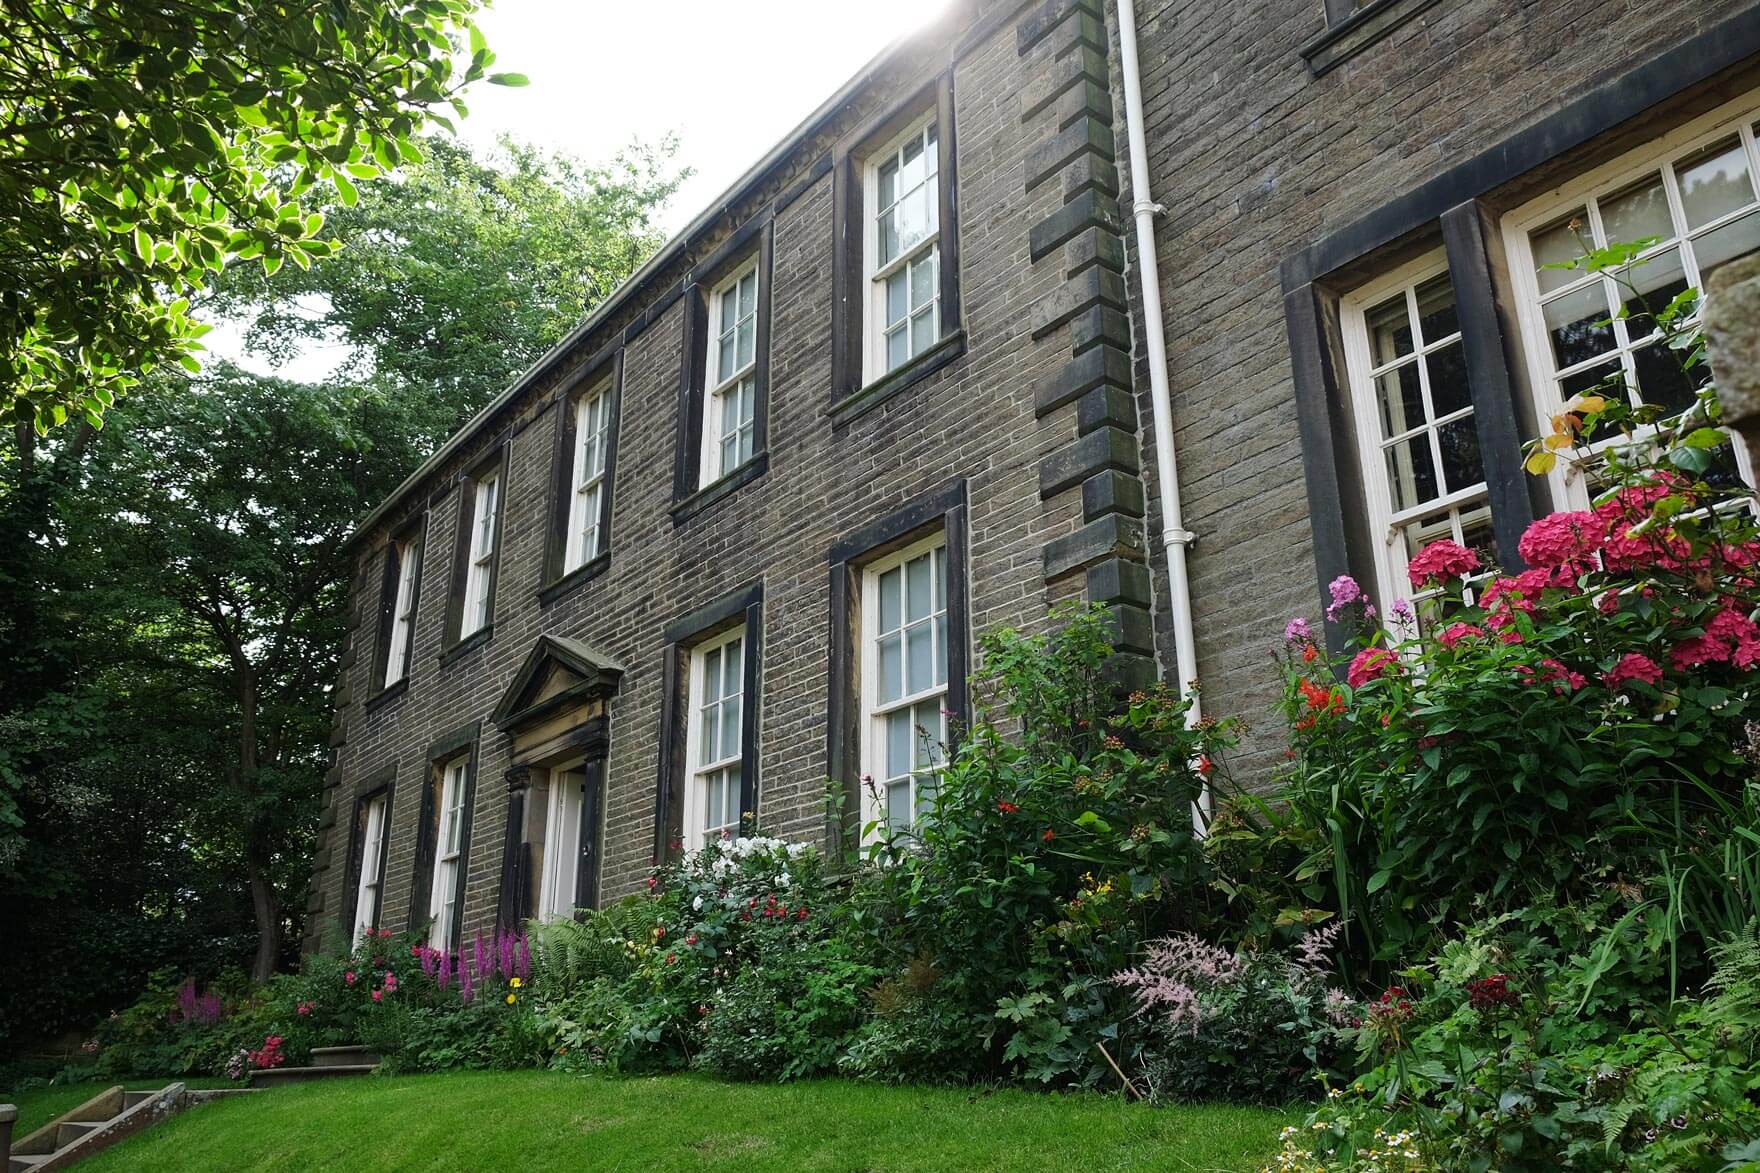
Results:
x,y
1357,32
706,496
570,582
467,645
387,694
860,403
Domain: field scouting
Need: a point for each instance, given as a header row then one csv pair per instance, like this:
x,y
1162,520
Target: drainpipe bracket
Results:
x,y
1148,208
1182,537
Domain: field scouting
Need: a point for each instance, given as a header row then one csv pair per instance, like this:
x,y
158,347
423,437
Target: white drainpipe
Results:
x,y
1175,537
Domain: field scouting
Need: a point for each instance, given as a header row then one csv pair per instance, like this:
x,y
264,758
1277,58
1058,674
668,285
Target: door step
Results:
x,y
353,1056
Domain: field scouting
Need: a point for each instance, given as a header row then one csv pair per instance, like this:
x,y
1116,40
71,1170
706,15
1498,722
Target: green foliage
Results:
x,y
449,282
148,147
1049,856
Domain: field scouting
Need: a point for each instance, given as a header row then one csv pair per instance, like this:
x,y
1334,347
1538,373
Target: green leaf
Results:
x,y
509,79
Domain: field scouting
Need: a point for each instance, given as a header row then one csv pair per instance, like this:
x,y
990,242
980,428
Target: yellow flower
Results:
x,y
516,983
512,998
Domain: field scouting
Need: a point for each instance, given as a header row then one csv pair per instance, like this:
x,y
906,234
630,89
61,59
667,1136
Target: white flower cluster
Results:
x,y
718,861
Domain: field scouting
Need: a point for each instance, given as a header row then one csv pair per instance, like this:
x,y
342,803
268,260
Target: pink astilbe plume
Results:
x,y
1173,975
522,966
1313,953
504,950
464,981
442,974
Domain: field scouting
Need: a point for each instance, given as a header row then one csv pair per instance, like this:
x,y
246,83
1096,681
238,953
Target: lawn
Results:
x,y
40,1105
541,1120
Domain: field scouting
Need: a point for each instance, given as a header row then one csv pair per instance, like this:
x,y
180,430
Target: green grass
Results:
x,y
40,1105
542,1120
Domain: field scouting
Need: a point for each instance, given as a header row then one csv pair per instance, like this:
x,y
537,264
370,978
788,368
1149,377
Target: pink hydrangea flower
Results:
x,y
1633,666
1552,672
1562,539
1441,560
1730,638
1370,664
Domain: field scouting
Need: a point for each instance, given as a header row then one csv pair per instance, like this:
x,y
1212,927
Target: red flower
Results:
x,y
1455,633
1633,666
1492,992
1552,672
691,940
672,959
1310,654
1007,808
1370,664
349,977
1049,835
1205,765
1439,560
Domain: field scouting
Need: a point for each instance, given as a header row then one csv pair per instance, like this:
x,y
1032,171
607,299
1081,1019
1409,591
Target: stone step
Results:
x,y
350,1056
71,1130
276,1076
26,1163
130,1099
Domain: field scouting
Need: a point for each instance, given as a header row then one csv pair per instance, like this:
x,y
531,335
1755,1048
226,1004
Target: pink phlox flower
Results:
x,y
1456,632
1344,591
1296,631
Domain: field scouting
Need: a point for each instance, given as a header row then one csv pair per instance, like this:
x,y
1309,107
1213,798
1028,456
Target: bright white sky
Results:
x,y
730,78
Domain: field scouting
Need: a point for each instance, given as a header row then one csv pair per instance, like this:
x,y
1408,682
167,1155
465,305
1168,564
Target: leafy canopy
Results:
x,y
143,146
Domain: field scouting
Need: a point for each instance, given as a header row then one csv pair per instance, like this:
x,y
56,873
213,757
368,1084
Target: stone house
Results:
x,y
729,546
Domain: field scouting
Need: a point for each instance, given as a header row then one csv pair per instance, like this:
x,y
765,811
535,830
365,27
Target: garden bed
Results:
x,y
545,1120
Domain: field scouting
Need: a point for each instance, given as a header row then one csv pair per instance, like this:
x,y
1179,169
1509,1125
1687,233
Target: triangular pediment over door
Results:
x,y
559,678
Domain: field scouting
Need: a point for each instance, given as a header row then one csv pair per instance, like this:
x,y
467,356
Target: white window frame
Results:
x,y
587,480
479,596
367,888
1388,525
448,853
701,773
403,615
1569,486
875,273
562,843
740,381
874,711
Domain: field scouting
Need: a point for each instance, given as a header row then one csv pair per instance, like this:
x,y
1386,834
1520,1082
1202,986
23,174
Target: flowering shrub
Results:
x,y
1048,857
1243,1024
1575,722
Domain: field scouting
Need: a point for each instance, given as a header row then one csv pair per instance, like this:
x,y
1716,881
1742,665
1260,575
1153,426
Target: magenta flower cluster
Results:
x,y
192,1007
504,956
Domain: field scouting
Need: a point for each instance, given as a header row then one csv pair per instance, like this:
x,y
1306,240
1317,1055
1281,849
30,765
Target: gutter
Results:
x,y
1175,537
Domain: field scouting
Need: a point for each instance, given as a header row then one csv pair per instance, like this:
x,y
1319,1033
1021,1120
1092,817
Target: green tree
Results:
x,y
462,273
172,603
146,145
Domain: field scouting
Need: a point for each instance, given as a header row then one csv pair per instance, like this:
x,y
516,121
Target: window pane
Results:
x,y
731,716
920,657
1449,391
1411,472
1461,465
913,219
730,458
1714,181
1402,400
889,246
731,668
917,574
898,805
748,295
1593,379
925,795
1637,213
711,734
891,587
1734,239
897,305
898,347
725,362
923,330
1565,239
1573,320
1656,282
1390,330
891,669
745,334
899,735
927,735
923,281
1660,378
888,184
941,649
1436,313
910,171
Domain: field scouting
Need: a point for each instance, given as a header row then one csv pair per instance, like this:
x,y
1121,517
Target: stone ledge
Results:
x,y
1111,492
1090,173
1099,326
1119,581
1094,247
1048,85
1047,19
1106,406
